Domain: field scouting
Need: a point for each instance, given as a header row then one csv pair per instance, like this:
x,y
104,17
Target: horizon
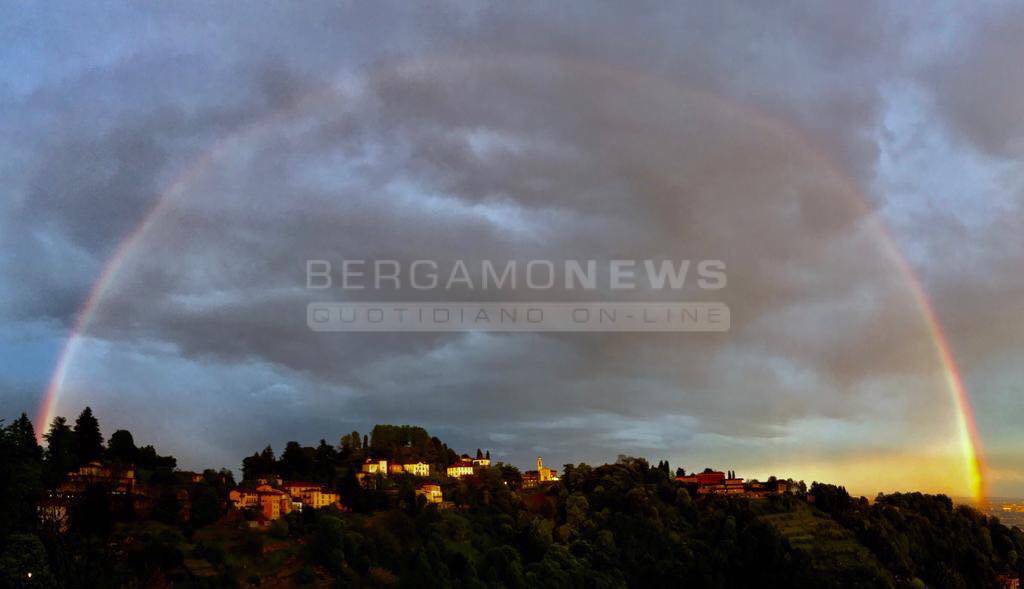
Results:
x,y
497,458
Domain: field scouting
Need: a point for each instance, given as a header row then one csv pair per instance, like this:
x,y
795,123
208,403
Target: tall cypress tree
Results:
x,y
88,437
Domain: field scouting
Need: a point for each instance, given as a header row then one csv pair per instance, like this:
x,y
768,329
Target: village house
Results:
x,y
312,495
431,491
270,502
375,466
727,483
53,513
462,468
719,483
419,469
120,480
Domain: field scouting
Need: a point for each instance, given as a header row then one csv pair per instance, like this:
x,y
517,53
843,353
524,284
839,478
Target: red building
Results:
x,y
710,477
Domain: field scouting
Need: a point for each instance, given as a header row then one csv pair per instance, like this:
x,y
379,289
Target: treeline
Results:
x,y
74,553
69,447
329,464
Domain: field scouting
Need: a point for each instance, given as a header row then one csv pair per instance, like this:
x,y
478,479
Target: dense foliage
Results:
x,y
626,524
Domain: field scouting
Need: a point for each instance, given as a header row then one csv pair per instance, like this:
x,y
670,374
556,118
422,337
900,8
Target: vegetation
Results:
x,y
627,524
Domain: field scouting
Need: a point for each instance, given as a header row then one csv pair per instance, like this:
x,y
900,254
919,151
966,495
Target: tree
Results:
x,y
296,461
121,447
88,437
61,454
324,460
20,476
24,563
259,465
23,435
205,506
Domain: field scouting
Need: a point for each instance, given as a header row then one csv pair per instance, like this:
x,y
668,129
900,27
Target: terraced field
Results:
x,y
829,546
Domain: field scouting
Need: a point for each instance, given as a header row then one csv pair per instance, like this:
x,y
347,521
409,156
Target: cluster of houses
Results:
x,y
273,498
125,490
716,482
466,466
463,467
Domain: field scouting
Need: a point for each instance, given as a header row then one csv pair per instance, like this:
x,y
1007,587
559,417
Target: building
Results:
x,y
375,466
482,462
270,502
120,480
718,483
710,477
534,478
270,479
431,491
419,469
462,468
53,513
756,490
312,495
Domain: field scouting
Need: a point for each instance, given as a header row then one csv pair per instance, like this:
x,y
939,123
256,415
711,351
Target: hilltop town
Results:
x,y
397,506
373,470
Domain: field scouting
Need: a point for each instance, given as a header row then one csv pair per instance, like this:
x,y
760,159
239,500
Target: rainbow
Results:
x,y
973,463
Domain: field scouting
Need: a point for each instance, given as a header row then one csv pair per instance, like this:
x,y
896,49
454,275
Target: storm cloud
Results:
x,y
229,146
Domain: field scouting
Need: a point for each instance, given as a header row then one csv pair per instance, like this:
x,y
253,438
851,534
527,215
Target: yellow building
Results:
x,y
462,468
375,466
420,469
271,502
432,492
545,474
312,495
533,478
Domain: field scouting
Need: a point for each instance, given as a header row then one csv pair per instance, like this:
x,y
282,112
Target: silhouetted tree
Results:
x,y
61,455
20,476
296,461
121,447
88,438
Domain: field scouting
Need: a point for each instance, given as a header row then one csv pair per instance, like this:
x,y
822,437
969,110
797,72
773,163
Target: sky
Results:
x,y
169,168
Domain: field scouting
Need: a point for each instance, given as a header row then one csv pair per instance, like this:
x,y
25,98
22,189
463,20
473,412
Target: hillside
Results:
x,y
626,524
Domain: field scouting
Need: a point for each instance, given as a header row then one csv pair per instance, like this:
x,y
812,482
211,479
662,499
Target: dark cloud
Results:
x,y
979,86
743,133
